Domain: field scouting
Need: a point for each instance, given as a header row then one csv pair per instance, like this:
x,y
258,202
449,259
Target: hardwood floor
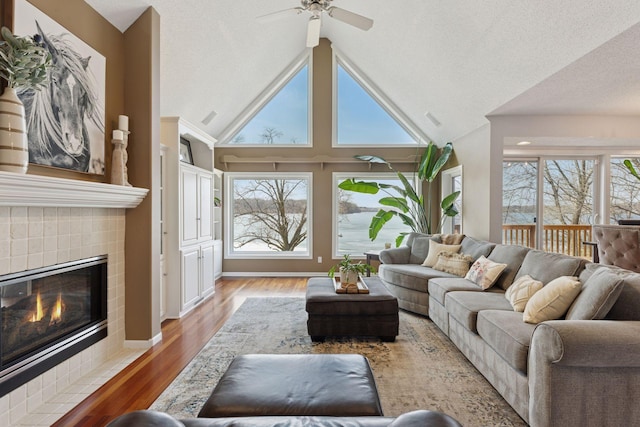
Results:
x,y
138,386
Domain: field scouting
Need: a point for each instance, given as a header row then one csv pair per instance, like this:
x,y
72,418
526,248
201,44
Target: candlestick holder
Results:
x,y
119,175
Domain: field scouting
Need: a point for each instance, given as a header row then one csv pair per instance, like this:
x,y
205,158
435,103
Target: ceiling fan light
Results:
x,y
313,31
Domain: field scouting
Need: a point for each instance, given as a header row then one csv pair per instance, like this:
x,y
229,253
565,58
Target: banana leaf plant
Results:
x,y
403,201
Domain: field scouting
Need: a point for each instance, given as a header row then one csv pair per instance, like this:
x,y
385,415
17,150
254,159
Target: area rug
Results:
x,y
422,369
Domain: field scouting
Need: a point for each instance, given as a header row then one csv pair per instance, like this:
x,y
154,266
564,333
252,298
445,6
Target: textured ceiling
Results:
x,y
458,59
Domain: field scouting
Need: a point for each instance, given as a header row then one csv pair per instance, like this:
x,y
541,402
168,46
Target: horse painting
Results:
x,y
57,116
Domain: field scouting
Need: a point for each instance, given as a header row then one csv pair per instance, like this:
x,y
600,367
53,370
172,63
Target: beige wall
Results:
x,y
322,176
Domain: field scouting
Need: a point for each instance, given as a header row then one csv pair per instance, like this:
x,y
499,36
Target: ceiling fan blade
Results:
x,y
269,17
350,18
313,31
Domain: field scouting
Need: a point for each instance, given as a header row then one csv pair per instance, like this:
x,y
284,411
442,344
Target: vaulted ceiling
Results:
x,y
457,59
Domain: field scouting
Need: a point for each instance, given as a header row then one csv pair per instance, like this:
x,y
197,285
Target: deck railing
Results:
x,y
564,239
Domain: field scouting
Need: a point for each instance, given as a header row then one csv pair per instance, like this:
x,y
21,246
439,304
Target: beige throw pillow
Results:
x,y
553,300
434,250
453,263
521,291
485,272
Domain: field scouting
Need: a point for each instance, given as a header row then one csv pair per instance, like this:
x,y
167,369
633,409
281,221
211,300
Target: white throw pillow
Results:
x,y
434,250
553,300
521,291
485,272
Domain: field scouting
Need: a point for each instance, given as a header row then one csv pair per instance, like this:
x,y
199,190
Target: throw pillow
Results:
x,y
485,272
452,239
434,250
553,300
598,295
453,263
521,291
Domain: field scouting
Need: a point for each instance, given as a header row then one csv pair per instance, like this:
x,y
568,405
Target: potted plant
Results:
x,y
24,65
349,270
404,202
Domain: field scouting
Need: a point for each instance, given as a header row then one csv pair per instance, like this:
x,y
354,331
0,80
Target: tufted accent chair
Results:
x,y
618,245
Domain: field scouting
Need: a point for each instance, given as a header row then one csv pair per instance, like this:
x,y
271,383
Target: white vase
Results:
x,y
14,152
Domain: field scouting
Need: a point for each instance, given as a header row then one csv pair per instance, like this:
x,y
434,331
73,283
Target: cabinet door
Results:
x,y
190,277
206,206
189,205
217,259
206,270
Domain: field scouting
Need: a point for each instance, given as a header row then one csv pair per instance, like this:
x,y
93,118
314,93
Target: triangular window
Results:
x,y
282,116
363,116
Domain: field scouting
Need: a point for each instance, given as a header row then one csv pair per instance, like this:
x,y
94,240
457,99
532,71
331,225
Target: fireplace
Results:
x,y
48,315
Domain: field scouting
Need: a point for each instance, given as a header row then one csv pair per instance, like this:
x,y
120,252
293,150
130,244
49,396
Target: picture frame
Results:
x,y
75,140
184,152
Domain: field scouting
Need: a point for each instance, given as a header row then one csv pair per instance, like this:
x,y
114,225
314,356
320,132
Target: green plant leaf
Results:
x,y
427,161
359,186
399,239
448,201
632,170
395,202
440,162
378,221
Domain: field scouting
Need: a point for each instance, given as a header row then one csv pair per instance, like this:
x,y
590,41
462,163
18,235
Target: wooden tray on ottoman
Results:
x,y
361,288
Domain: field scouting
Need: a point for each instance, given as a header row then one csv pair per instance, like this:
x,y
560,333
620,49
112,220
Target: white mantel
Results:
x,y
33,190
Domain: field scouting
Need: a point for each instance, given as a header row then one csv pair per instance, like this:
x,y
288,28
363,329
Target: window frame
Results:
x,y
336,178
229,252
265,97
421,139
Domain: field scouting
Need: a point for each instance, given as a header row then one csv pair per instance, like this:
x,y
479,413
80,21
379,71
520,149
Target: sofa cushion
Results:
x,y
599,293
476,248
546,266
512,255
485,272
506,333
410,276
436,249
439,286
464,306
521,291
453,263
553,300
419,244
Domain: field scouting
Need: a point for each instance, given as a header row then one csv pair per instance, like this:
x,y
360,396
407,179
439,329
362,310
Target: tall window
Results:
x,y
625,190
269,215
281,116
364,116
353,212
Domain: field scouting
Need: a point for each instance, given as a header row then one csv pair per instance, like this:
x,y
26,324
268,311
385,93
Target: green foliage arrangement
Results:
x,y
632,170
346,265
404,202
24,61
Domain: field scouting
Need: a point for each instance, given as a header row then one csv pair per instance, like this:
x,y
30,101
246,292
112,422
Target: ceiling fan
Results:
x,y
316,7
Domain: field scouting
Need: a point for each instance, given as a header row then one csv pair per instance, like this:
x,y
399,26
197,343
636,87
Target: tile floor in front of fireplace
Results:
x,y
67,398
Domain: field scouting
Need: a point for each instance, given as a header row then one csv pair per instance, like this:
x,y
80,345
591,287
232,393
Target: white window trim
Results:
x,y
336,178
374,92
447,188
266,96
229,253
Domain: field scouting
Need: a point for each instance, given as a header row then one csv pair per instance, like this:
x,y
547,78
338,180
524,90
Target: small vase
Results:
x,y
14,151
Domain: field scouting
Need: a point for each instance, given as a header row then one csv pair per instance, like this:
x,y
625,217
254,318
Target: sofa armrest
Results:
x,y
574,363
395,255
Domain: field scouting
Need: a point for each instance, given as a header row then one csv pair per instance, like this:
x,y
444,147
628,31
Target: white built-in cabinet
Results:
x,y
192,198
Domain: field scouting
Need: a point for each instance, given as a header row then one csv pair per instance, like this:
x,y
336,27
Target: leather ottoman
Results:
x,y
295,384
332,314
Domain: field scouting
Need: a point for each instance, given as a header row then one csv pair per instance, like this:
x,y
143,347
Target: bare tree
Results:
x,y
266,211
568,191
270,135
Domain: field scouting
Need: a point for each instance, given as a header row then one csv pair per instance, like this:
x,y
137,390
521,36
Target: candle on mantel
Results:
x,y
123,123
118,134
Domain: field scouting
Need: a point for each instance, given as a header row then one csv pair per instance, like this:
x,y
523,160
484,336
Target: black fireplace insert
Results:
x,y
48,315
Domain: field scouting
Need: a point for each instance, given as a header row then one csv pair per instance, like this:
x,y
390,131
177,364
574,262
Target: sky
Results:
x,y
361,120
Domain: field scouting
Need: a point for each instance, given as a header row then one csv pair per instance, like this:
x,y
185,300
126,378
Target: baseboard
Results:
x,y
273,274
143,343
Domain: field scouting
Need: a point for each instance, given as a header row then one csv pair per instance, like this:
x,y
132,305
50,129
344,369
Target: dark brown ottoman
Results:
x,y
332,314
295,384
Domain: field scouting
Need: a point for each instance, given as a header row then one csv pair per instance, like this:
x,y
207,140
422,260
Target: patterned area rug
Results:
x,y
422,369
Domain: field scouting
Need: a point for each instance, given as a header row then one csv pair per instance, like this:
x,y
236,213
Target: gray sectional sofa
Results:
x,y
555,373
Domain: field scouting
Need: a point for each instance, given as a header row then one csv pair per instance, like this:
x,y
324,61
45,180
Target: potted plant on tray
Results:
x,y
349,270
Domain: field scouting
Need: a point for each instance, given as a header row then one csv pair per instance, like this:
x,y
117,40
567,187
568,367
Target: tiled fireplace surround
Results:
x,y
43,236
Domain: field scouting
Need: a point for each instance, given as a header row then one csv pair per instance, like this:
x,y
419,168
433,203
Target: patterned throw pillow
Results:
x,y
485,272
453,263
434,250
521,291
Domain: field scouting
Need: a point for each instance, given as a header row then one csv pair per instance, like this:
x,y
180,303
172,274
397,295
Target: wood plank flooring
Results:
x,y
138,386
